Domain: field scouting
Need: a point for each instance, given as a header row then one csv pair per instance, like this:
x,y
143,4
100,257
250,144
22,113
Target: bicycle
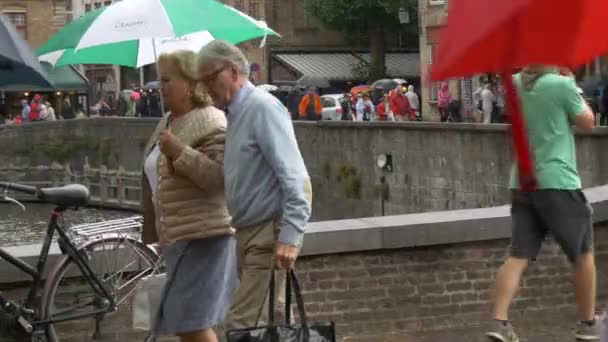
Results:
x,y
57,295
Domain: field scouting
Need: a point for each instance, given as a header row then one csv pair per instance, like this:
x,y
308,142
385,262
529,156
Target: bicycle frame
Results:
x,y
71,250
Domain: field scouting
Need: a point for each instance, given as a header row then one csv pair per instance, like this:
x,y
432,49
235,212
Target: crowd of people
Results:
x,y
37,109
130,103
398,104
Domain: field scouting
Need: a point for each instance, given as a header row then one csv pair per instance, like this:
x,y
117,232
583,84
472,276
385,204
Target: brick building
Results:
x,y
433,15
309,49
36,20
306,48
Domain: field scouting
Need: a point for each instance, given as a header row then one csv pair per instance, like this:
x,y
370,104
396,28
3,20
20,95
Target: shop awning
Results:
x,y
405,65
339,66
329,66
65,78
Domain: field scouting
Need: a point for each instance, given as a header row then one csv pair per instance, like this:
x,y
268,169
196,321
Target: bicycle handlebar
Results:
x,y
30,190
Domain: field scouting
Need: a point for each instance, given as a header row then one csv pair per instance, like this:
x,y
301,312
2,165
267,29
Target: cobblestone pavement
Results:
x,y
541,331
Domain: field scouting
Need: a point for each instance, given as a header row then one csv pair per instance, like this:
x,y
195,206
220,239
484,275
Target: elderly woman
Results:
x,y
185,207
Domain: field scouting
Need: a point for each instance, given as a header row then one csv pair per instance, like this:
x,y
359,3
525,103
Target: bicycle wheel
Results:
x,y
118,262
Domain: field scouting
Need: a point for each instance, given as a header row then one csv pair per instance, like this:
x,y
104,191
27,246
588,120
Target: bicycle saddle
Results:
x,y
73,195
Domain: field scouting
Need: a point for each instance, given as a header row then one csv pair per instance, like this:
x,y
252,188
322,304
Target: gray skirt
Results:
x,y
201,279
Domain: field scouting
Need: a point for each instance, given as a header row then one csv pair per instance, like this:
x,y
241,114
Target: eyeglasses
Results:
x,y
213,76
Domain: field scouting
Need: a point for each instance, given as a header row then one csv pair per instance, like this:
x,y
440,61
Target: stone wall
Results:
x,y
435,288
419,272
435,166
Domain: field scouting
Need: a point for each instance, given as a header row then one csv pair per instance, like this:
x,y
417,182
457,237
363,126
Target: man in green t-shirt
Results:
x,y
551,106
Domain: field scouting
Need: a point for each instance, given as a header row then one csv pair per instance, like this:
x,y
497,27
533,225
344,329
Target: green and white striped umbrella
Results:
x,y
133,53
132,20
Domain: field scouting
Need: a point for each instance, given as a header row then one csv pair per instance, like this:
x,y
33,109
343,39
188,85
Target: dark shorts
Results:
x,y
564,214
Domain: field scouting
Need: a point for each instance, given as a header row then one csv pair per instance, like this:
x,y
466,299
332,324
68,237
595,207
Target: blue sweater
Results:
x,y
264,173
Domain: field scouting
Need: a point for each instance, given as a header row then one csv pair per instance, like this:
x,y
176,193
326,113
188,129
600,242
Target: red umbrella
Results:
x,y
497,36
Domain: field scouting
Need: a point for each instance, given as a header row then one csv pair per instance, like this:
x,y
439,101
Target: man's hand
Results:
x,y
169,145
285,255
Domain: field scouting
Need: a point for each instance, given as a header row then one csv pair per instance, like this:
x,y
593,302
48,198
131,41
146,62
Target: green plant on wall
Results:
x,y
350,180
104,151
58,150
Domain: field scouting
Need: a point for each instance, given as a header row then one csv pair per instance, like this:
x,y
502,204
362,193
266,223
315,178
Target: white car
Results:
x,y
332,110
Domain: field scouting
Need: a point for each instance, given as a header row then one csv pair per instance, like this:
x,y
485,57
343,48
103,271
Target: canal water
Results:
x,y
19,227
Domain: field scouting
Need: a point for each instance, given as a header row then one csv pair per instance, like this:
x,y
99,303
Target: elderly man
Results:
x,y
268,189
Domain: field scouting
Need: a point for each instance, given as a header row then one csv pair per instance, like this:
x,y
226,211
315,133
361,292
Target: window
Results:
x,y
254,9
87,8
19,21
434,91
107,3
97,5
328,102
433,52
436,2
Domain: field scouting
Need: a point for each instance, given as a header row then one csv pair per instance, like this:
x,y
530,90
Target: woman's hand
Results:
x,y
169,145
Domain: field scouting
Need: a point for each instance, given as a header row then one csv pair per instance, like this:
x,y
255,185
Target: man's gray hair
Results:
x,y
219,51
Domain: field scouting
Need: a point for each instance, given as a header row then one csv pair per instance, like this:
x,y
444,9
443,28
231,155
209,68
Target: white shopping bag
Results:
x,y
147,300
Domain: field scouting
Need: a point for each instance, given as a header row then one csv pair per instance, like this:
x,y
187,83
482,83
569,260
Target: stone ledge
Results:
x,y
424,125
423,229
377,233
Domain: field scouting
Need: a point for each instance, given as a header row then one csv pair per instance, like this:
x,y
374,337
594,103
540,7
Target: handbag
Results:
x,y
304,332
146,301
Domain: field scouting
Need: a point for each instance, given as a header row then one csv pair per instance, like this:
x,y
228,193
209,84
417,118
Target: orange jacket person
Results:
x,y
310,106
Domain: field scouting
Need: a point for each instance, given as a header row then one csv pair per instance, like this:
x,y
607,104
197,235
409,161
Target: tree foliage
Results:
x,y
366,18
356,15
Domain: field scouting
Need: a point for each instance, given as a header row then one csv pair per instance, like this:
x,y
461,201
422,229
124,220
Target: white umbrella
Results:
x,y
267,87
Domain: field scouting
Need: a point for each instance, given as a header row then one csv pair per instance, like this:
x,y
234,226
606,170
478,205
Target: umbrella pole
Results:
x,y
160,89
521,144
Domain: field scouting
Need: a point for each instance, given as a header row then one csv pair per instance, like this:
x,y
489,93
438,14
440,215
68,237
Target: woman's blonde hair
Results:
x,y
185,62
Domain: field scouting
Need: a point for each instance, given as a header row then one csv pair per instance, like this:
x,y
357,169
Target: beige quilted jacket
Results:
x,y
190,201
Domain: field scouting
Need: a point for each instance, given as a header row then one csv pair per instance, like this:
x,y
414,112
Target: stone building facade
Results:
x,y
36,20
433,16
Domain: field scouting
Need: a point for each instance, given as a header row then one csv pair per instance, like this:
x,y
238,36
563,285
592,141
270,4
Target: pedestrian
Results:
x,y
50,112
550,104
267,185
487,103
365,108
35,107
184,206
400,105
347,108
67,111
384,109
293,102
25,110
414,101
443,101
143,106
310,106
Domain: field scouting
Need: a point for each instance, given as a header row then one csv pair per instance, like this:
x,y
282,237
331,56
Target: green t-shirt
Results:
x,y
549,109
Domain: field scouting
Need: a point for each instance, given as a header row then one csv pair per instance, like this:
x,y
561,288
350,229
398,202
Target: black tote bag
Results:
x,y
304,332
